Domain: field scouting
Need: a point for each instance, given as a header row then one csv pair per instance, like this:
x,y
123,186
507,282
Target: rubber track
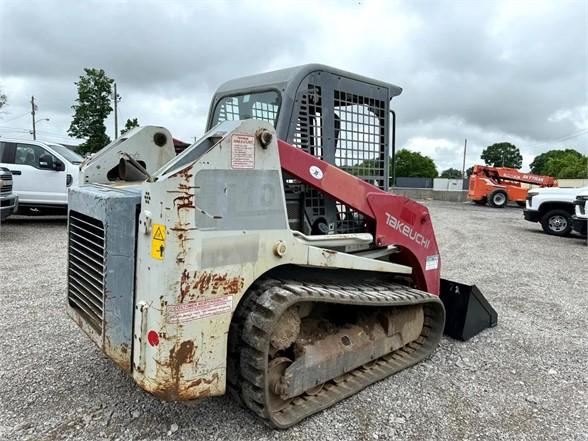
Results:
x,y
266,302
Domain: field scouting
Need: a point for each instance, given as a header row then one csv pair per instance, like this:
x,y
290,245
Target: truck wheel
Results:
x,y
557,222
498,199
482,201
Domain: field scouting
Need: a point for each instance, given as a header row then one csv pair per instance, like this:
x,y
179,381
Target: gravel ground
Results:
x,y
525,379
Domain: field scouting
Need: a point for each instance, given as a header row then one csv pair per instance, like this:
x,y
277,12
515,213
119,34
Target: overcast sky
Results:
x,y
488,71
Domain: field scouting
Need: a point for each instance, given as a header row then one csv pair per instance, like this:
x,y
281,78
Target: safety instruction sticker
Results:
x,y
157,241
432,262
186,312
242,151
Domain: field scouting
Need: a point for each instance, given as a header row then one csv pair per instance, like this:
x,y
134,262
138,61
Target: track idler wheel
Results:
x,y
276,370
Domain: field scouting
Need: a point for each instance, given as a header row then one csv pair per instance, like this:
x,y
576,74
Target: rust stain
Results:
x,y
218,282
200,381
118,354
184,174
184,285
191,287
178,356
182,233
173,392
184,201
203,282
234,285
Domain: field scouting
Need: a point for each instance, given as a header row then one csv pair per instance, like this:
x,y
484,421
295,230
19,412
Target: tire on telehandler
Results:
x,y
498,199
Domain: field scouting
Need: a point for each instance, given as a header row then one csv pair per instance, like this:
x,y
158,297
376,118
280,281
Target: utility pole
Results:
x,y
465,148
33,110
115,113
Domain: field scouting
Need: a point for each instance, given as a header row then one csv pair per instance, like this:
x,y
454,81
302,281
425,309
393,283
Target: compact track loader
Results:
x,y
268,258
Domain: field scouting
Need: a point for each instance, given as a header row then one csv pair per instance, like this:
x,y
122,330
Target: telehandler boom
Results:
x,y
268,258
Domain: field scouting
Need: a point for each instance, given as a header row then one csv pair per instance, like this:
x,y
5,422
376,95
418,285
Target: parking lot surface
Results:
x,y
526,379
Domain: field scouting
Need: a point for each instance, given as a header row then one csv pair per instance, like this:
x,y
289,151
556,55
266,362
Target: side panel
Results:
x,y
221,226
102,225
516,193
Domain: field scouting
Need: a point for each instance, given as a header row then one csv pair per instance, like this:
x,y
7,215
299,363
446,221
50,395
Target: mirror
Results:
x,y
58,165
46,162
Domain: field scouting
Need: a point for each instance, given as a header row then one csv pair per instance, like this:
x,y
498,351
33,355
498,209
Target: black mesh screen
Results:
x,y
345,129
359,146
309,137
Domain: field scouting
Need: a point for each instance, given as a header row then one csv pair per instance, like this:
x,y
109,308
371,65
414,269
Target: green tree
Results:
x,y
577,169
365,168
408,164
130,124
413,164
568,163
503,154
92,107
451,173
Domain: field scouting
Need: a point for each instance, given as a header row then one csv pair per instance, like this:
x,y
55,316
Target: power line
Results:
x,y
567,137
28,132
16,117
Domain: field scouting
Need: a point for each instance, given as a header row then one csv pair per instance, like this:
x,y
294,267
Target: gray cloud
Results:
x,y
488,71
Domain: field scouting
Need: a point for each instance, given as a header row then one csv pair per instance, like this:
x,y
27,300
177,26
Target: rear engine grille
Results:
x,y
86,268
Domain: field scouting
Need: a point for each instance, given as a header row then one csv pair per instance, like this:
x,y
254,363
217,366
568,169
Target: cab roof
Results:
x,y
291,77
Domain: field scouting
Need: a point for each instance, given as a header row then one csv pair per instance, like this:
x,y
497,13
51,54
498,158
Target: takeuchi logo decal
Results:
x,y
407,230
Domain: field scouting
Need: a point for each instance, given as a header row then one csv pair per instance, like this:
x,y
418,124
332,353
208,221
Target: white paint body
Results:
x,y
187,293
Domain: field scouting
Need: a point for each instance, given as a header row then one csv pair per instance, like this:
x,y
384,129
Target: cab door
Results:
x,y
38,175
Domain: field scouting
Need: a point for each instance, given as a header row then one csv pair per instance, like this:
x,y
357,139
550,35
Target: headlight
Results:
x,y
532,193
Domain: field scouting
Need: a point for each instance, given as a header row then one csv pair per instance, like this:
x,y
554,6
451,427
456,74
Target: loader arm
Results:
x,y
393,219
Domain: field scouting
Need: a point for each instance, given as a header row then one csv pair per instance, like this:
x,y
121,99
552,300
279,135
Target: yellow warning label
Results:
x,y
157,241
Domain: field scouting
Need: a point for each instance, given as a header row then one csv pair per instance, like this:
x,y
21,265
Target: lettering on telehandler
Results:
x,y
407,230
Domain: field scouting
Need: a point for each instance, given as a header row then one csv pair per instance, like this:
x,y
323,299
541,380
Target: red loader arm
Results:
x,y
394,220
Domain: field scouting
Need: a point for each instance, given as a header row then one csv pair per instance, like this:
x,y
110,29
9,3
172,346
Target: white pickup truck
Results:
x,y
580,219
553,208
42,172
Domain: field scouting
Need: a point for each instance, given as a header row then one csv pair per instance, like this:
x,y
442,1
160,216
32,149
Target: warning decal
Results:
x,y
432,262
242,151
187,312
157,241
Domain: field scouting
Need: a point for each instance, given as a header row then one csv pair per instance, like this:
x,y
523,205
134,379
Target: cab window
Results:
x,y
260,105
33,155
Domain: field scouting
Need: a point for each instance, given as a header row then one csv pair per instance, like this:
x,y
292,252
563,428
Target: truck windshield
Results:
x,y
261,105
68,154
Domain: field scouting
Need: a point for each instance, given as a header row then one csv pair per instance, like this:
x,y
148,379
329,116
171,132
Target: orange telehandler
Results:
x,y
498,185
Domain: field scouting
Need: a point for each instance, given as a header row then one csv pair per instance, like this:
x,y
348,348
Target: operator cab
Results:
x,y
337,116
